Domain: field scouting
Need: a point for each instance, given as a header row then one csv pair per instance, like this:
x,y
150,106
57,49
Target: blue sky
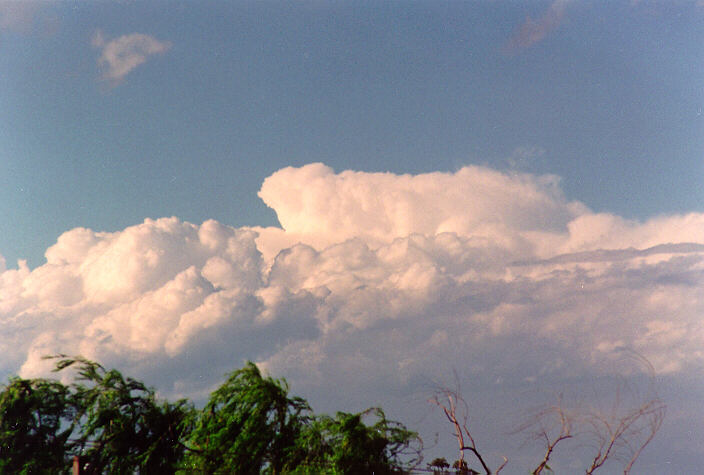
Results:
x,y
362,197
610,99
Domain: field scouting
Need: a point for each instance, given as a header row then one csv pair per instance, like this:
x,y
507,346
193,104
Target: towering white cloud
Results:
x,y
118,57
374,280
320,207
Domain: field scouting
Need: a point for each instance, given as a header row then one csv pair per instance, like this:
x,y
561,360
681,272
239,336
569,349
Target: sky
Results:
x,y
364,198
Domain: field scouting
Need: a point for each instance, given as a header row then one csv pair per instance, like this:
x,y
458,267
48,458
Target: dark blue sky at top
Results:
x,y
611,100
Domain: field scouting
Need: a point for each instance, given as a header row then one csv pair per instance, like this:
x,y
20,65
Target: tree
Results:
x,y
115,424
461,468
438,465
620,434
624,432
249,424
617,434
36,418
552,424
456,411
122,426
252,425
345,444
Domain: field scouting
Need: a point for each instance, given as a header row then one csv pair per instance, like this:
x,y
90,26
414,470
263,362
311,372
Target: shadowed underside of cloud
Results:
x,y
374,280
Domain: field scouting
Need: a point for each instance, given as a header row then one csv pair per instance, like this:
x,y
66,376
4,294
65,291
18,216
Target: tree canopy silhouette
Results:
x,y
250,424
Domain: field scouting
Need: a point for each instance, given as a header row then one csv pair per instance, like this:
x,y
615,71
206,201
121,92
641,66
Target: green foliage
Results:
x,y
345,444
249,425
462,468
35,424
122,424
252,425
438,465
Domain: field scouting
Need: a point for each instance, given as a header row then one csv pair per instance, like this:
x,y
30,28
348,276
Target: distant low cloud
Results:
x,y
533,31
119,56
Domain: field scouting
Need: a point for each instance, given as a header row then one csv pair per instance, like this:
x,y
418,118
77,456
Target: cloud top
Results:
x,y
321,207
121,55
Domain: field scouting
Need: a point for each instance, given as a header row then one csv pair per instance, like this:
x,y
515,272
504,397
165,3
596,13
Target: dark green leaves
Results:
x,y
35,423
122,424
115,424
345,444
250,425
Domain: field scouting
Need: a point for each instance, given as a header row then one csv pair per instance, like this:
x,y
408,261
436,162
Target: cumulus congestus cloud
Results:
x,y
372,275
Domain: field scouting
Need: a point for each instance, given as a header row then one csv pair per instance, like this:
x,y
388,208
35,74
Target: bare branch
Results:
x,y
629,433
456,410
551,441
501,467
624,433
619,430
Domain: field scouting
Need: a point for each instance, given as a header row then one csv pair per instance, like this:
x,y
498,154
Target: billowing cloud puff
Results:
x,y
118,57
450,256
374,280
317,206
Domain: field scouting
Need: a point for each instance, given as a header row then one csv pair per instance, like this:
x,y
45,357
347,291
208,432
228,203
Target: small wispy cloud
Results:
x,y
525,157
533,31
17,16
123,54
